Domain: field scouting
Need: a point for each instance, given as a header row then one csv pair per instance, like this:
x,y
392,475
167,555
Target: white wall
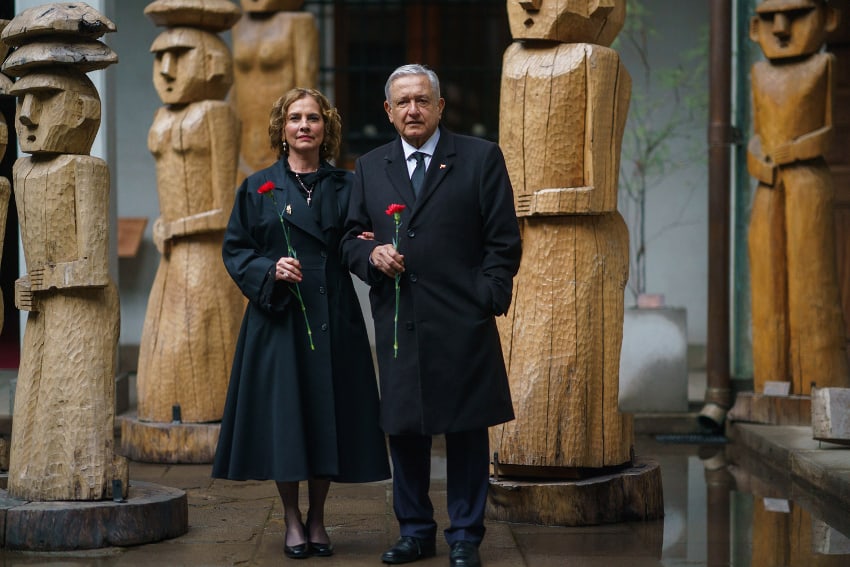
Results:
x,y
677,207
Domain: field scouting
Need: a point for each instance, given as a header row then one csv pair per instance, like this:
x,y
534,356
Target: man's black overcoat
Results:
x,y
461,245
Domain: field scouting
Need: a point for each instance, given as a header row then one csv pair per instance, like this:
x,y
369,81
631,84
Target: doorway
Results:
x,y
463,41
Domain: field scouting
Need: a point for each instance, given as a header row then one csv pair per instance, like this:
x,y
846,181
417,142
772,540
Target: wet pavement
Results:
x,y
725,504
770,496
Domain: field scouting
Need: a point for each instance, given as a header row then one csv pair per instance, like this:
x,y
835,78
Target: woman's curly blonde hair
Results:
x,y
333,122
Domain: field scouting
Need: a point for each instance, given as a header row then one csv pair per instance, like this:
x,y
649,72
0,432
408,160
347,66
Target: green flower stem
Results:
x,y
397,219
297,289
395,319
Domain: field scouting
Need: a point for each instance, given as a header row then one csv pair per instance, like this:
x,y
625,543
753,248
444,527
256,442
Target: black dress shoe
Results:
x,y
464,554
300,551
321,549
408,549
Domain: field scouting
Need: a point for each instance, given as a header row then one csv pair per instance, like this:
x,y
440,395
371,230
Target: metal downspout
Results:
x,y
720,139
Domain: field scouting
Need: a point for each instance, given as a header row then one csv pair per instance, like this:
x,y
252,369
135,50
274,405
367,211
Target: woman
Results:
x,y
302,403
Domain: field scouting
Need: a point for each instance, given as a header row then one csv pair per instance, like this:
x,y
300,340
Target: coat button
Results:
x,y
409,325
413,278
322,289
411,233
324,326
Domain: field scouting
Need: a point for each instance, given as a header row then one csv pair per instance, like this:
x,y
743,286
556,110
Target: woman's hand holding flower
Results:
x,y
288,269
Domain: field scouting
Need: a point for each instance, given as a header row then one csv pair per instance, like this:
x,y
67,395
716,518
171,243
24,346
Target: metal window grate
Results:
x,y
364,40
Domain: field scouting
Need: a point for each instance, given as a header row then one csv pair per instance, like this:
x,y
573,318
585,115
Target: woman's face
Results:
x,y
304,126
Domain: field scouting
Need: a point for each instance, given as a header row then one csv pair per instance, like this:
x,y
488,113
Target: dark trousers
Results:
x,y
467,482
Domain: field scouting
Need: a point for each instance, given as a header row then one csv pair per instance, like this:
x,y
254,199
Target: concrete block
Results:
x,y
831,414
654,361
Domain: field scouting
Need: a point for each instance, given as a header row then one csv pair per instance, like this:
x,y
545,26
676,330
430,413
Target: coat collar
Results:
x,y
441,163
295,210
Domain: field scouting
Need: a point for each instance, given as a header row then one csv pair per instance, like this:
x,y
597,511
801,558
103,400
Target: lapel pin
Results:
x,y
442,166
289,209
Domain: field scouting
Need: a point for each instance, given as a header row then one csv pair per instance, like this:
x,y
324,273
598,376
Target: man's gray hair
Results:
x,y
409,70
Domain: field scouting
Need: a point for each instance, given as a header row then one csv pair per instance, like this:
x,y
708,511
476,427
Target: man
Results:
x,y
457,253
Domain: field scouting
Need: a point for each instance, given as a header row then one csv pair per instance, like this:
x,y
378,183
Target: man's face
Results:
x,y
414,108
790,28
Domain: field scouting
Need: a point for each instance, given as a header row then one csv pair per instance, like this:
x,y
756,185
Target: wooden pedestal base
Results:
x,y
155,442
151,513
631,494
771,410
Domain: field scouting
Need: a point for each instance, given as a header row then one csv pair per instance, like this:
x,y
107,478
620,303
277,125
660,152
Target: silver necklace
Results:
x,y
308,190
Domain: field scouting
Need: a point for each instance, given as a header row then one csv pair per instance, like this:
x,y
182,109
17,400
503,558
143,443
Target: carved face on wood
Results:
x,y
567,21
790,28
58,111
191,65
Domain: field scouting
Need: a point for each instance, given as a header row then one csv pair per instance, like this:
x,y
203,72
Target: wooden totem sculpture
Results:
x,y
62,441
194,309
275,48
564,102
5,186
798,325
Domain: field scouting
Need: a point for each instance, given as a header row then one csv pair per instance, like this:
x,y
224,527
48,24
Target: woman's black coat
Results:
x,y
294,413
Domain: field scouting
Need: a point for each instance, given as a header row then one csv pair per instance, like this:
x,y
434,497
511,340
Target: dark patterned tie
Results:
x,y
418,172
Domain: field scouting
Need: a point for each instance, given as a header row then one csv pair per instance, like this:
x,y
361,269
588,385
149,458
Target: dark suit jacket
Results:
x,y
461,245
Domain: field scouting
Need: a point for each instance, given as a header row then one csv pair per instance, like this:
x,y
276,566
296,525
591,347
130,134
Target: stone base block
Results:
x,y
752,407
150,513
155,442
630,494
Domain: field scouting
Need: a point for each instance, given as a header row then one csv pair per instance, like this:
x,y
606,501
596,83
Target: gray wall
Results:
x,y
677,206
134,166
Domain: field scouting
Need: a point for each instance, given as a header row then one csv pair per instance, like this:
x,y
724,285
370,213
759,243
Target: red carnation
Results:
x,y
265,188
395,208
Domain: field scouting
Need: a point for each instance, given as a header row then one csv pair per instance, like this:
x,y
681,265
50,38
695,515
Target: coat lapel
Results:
x,y
441,164
396,168
293,208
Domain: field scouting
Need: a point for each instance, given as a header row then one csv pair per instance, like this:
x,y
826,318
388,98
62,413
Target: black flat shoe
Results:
x,y
464,554
321,549
408,549
300,551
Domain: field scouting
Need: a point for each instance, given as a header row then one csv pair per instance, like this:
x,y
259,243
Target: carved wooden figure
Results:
x,y
63,438
194,309
798,325
275,48
5,192
5,186
563,110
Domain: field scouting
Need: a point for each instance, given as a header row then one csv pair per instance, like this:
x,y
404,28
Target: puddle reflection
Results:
x,y
721,509
749,515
